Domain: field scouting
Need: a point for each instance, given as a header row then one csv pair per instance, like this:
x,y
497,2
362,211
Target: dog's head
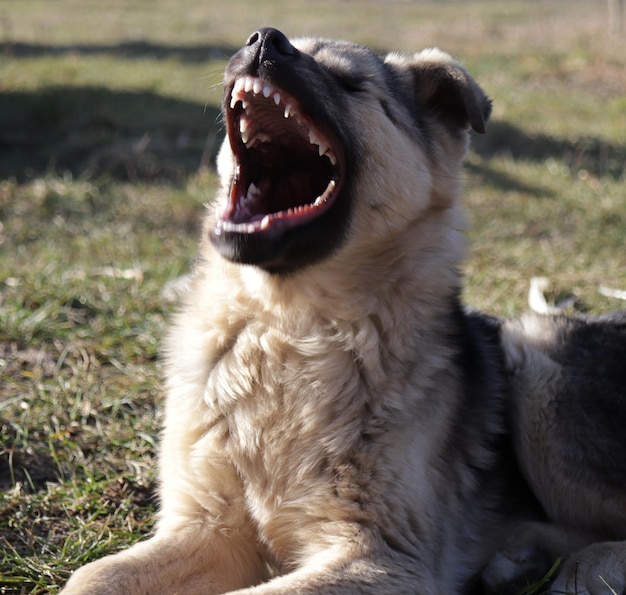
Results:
x,y
322,132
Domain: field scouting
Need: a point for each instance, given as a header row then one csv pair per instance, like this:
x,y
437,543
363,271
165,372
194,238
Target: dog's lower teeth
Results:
x,y
260,139
253,191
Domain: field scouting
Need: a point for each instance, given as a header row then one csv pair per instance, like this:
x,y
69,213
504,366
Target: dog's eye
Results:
x,y
351,84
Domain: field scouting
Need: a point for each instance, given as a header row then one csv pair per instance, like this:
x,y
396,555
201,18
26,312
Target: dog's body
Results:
x,y
335,421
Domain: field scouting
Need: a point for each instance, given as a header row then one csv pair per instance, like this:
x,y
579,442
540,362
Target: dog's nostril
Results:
x,y
281,43
253,38
272,41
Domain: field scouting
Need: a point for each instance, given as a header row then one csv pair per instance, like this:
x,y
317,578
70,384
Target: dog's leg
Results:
x,y
366,577
528,554
192,561
599,569
350,567
205,542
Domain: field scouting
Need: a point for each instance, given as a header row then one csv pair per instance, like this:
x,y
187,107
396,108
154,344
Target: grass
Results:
x,y
108,128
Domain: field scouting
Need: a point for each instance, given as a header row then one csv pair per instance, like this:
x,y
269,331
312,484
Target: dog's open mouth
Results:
x,y
288,169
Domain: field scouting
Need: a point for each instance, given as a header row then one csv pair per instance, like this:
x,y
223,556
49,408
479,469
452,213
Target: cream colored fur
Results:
x,y
274,379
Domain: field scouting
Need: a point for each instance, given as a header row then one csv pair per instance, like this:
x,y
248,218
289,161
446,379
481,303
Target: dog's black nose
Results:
x,y
270,44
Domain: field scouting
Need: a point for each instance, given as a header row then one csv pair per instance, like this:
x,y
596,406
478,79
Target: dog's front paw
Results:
x,y
103,577
599,569
514,568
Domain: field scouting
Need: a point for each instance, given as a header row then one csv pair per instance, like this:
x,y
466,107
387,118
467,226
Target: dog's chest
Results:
x,y
295,409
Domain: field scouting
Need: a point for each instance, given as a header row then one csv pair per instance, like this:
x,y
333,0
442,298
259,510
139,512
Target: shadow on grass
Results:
x,y
128,49
94,131
596,156
505,182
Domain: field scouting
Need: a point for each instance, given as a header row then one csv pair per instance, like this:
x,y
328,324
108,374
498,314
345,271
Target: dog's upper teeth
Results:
x,y
313,138
239,86
245,135
288,110
265,222
244,124
248,84
267,91
276,98
328,152
257,86
323,148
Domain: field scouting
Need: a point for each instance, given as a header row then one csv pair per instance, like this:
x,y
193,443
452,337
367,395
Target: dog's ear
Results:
x,y
444,88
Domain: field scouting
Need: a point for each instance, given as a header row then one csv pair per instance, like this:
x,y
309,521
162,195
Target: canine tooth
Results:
x,y
288,110
257,86
248,84
261,138
330,154
323,148
244,124
277,98
233,101
265,222
253,191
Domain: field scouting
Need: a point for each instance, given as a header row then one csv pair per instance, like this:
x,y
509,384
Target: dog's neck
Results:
x,y
359,282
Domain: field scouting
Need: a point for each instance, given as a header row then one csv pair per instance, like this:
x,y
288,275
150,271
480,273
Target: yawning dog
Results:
x,y
336,421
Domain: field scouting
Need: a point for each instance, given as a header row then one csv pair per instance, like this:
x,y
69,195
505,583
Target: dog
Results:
x,y
336,420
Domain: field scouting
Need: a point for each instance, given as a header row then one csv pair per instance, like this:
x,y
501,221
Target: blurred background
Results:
x,y
109,126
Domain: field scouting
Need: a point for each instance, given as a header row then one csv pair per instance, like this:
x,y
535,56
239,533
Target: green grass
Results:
x,y
108,128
